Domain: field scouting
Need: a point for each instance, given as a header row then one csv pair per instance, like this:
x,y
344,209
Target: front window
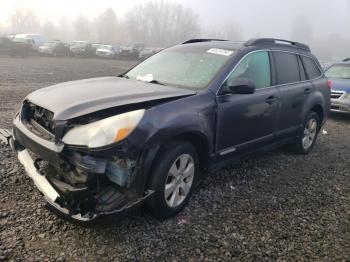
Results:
x,y
191,68
341,71
255,67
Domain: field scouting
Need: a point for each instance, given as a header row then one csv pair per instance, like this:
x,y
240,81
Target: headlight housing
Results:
x,y
104,132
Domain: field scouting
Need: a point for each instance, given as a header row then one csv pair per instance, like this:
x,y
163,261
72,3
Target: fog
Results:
x,y
322,24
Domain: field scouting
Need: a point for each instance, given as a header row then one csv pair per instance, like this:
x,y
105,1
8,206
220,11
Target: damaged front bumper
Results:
x,y
78,186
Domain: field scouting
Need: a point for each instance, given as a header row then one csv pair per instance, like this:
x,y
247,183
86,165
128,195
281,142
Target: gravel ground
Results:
x,y
276,206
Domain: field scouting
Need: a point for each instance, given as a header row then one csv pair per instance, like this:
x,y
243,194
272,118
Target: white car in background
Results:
x,y
35,40
107,51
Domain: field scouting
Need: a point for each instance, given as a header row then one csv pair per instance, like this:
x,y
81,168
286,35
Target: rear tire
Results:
x,y
308,135
173,178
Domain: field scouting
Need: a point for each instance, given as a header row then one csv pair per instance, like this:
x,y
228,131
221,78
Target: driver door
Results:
x,y
248,121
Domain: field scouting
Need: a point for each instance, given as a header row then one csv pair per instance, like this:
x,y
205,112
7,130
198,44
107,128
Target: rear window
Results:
x,y
338,71
287,67
311,68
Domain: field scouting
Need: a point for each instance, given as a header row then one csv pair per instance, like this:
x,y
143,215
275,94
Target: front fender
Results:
x,y
194,114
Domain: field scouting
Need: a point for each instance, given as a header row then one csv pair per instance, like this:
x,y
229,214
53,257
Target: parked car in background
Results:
x,y
82,48
146,53
339,80
325,64
107,51
11,48
35,40
53,48
96,45
131,52
104,145
125,52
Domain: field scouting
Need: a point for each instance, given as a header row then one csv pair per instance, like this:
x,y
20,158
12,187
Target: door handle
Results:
x,y
270,100
307,91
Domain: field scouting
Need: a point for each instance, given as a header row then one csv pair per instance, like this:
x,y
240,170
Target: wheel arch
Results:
x,y
200,143
318,109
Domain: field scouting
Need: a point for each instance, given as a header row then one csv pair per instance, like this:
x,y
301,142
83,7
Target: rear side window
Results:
x,y
311,68
256,67
287,68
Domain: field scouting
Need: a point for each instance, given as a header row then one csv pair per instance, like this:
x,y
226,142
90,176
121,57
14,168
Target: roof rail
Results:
x,y
199,40
272,41
346,60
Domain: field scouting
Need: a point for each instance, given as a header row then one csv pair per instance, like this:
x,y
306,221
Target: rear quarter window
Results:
x,y
311,68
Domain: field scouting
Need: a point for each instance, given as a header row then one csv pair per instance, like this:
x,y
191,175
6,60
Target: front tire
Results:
x,y
307,139
173,178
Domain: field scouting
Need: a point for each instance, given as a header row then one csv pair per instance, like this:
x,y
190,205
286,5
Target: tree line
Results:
x,y
161,24
155,23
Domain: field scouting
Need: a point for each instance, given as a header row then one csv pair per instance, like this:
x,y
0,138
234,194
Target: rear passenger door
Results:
x,y
291,81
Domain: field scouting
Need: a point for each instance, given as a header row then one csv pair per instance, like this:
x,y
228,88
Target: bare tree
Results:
x,y
82,28
66,31
107,29
161,23
227,30
302,30
49,30
23,20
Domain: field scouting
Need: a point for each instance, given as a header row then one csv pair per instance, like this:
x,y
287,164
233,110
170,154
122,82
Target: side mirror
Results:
x,y
242,86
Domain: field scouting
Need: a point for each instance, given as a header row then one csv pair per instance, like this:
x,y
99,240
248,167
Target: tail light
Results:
x,y
329,84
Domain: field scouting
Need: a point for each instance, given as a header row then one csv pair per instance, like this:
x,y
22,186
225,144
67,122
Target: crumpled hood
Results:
x,y
76,98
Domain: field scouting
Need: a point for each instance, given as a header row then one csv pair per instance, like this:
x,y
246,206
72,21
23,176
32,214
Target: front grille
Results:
x,y
38,119
336,94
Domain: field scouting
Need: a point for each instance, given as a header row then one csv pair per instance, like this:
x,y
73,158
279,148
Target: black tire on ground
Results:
x,y
166,158
298,147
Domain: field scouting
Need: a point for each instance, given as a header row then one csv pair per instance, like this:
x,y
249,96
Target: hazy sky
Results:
x,y
256,17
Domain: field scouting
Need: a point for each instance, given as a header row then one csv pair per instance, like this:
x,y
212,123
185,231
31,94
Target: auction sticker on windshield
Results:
x,y
220,51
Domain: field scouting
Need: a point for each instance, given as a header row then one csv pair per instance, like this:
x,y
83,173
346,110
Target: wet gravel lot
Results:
x,y
276,206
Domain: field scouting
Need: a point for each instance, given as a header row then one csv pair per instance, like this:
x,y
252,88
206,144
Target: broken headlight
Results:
x,y
104,132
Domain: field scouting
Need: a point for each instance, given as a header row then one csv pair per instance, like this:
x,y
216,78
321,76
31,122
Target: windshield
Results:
x,y
342,71
182,67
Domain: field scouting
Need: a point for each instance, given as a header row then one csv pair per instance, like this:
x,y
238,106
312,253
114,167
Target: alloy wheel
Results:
x,y
310,133
179,180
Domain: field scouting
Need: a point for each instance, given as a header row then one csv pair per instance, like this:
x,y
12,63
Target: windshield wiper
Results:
x,y
155,82
124,76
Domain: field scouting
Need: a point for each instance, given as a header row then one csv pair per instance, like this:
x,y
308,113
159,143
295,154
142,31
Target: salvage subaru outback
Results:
x,y
105,145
